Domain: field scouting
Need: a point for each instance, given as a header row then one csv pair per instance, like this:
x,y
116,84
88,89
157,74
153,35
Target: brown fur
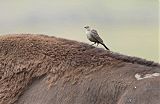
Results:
x,y
25,57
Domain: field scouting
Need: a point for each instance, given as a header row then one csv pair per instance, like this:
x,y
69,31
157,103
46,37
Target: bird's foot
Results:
x,y
93,44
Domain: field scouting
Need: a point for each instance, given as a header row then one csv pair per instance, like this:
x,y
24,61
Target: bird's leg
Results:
x,y
97,44
93,43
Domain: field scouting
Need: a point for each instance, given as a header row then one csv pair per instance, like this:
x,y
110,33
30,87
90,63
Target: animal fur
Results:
x,y
26,58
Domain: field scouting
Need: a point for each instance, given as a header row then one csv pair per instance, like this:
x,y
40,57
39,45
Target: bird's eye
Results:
x,y
86,27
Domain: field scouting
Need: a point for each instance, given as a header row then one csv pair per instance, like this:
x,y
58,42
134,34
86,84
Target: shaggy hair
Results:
x,y
26,57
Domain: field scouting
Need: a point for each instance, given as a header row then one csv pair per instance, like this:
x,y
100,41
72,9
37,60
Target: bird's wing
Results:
x,y
95,35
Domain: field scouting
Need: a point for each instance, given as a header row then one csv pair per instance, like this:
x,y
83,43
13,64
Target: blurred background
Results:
x,y
127,26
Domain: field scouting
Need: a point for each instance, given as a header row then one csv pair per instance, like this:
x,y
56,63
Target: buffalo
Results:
x,y
40,69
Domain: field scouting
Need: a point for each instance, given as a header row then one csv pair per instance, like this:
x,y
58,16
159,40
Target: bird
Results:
x,y
93,36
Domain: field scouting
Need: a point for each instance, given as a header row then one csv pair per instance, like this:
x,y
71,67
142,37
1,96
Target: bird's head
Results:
x,y
86,27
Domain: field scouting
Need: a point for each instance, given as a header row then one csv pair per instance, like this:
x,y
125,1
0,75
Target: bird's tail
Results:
x,y
105,46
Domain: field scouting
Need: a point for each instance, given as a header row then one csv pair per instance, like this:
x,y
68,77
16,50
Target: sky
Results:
x,y
127,26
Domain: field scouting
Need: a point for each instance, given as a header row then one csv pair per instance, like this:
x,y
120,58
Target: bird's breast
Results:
x,y
89,36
